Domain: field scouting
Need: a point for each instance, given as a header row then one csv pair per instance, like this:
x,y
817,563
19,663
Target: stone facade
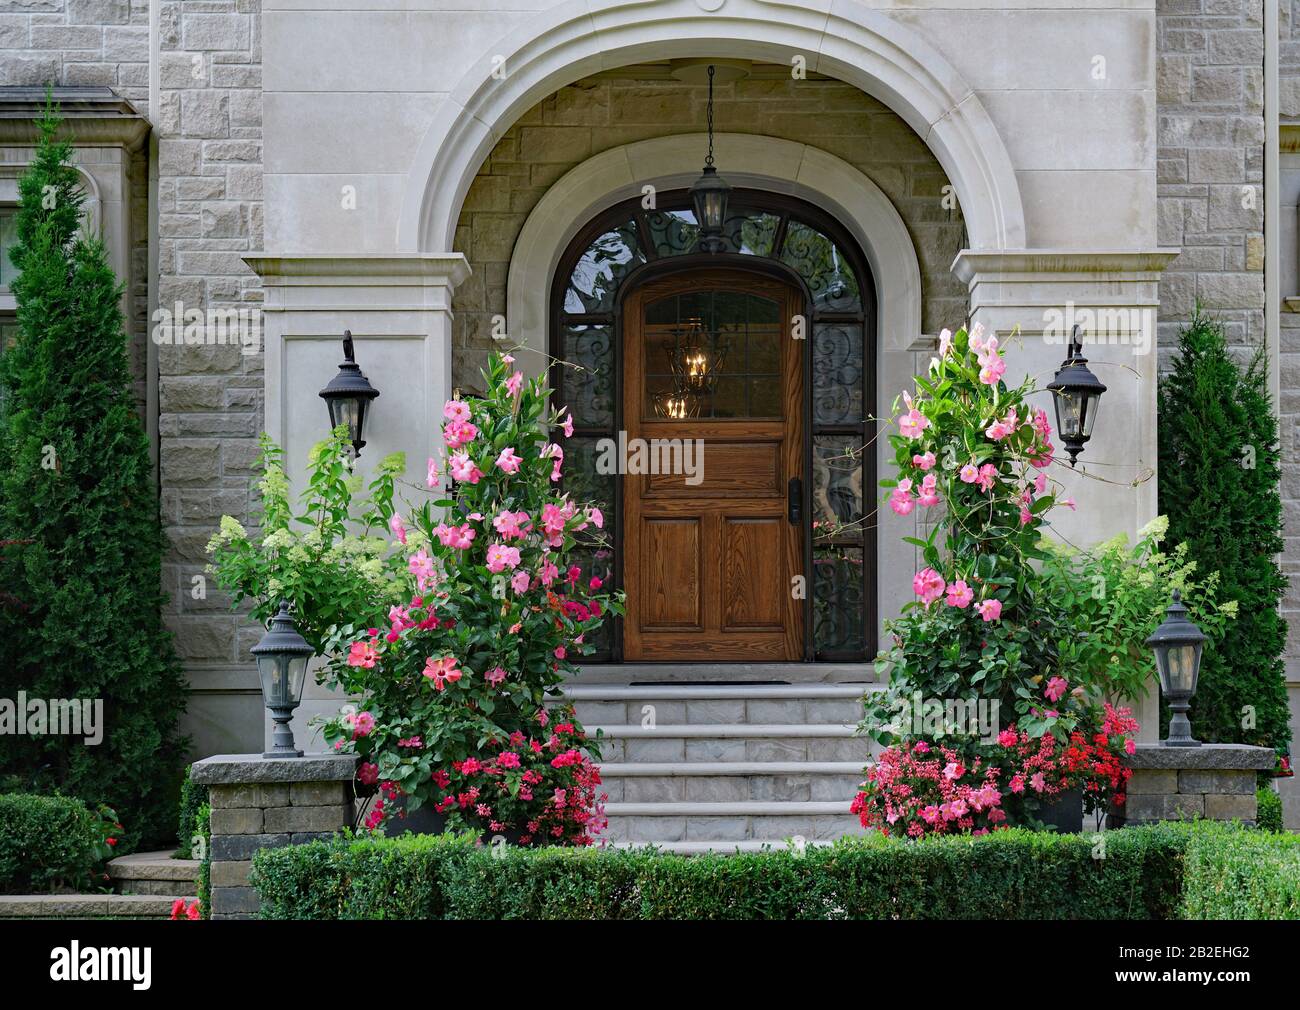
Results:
x,y
208,124
609,110
1210,168
352,92
77,42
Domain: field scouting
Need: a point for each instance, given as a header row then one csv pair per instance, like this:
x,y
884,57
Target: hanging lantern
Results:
x,y
710,193
1076,393
348,395
696,358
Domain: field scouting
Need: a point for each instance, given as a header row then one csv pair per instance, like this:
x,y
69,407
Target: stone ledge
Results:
x,y
241,769
86,906
1207,757
153,866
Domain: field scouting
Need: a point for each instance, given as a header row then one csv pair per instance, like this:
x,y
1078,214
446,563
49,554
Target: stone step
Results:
x,y
154,873
731,781
700,674
728,823
773,704
715,742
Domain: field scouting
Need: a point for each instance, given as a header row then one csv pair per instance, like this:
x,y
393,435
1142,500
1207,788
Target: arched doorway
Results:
x,y
770,556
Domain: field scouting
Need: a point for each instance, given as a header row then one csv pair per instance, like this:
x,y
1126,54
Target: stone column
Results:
x,y
261,803
398,308
1213,781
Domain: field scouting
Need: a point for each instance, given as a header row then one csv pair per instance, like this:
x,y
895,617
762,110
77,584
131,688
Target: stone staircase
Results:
x,y
724,766
155,874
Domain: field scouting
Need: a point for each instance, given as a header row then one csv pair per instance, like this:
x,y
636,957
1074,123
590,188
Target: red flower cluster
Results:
x,y
915,789
538,789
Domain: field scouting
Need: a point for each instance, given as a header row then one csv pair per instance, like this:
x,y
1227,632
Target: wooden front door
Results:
x,y
713,394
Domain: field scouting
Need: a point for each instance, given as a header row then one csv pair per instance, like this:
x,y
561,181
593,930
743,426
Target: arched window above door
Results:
x,y
778,233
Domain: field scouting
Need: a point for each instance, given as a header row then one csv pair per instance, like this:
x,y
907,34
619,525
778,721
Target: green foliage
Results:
x,y
193,798
1219,486
1242,875
203,828
1268,809
331,559
1137,873
76,482
47,843
973,445
1112,596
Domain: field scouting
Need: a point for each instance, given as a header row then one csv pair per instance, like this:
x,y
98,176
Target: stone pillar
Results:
x,y
398,308
261,803
1213,781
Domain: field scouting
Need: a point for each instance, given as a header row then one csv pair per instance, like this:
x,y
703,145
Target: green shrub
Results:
x,y
1132,874
203,828
77,485
1242,875
363,878
1268,809
47,843
193,797
1219,486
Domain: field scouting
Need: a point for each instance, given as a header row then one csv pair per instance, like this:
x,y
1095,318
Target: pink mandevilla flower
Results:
x,y
960,594
508,461
928,585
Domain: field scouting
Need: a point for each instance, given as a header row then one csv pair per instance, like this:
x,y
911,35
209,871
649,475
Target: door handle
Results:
x,y
794,501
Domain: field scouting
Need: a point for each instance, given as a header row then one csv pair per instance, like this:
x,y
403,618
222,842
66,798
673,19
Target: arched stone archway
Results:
x,y
847,41
769,163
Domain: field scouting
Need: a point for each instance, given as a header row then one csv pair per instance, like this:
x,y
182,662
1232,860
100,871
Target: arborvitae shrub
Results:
x,y
76,483
1218,484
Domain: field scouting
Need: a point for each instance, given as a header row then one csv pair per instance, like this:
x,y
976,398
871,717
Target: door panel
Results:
x,y
709,356
751,547
670,574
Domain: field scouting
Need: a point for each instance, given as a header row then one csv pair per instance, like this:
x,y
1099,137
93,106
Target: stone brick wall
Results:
x,y
606,111
1210,163
100,42
1214,781
209,130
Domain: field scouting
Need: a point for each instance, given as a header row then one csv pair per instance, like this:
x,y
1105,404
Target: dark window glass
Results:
x,y
597,275
838,601
823,267
587,381
837,373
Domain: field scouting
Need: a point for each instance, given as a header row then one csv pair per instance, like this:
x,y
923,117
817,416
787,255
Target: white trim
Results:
x,y
773,164
841,38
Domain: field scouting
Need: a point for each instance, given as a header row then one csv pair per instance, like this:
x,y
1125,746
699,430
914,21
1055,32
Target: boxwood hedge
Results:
x,y
47,843
1159,872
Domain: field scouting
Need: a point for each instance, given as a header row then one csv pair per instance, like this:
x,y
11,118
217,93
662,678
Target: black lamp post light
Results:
x,y
282,656
710,193
348,396
1076,392
1177,644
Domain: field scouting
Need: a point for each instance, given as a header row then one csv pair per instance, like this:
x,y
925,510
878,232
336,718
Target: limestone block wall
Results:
x,y
208,124
85,42
609,110
1211,163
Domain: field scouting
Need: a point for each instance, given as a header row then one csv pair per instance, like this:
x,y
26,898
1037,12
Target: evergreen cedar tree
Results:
x,y
77,484
1219,485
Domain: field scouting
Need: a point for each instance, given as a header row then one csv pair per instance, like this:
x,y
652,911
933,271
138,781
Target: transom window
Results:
x,y
812,249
